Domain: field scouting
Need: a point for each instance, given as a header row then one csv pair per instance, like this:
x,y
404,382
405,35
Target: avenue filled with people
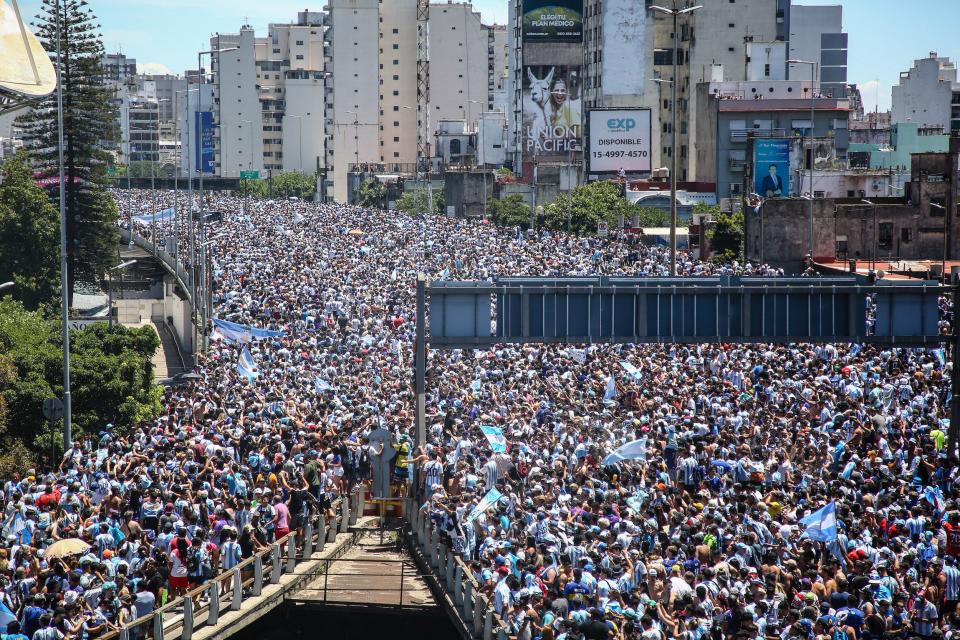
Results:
x,y
643,491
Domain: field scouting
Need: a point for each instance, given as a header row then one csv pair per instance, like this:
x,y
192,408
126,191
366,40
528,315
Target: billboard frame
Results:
x,y
527,37
588,138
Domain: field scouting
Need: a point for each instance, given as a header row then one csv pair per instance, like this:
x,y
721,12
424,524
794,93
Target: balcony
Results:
x,y
737,166
741,135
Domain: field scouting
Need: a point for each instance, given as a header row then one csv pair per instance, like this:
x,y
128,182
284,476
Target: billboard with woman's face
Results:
x,y
552,122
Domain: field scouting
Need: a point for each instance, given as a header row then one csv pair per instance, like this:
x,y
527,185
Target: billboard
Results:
x,y
553,20
552,116
771,167
618,139
624,47
205,151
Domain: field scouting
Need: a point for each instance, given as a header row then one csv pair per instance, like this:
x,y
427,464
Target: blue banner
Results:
x,y
771,168
205,150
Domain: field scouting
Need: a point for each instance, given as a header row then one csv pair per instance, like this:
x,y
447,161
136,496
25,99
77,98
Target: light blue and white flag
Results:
x,y
475,386
6,616
941,357
496,438
235,332
16,525
934,496
578,355
611,391
246,365
485,503
321,385
633,450
634,372
159,216
822,524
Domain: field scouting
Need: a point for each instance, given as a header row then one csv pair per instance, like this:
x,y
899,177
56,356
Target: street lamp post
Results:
x,y
120,267
426,173
760,211
203,220
873,254
675,13
483,151
813,102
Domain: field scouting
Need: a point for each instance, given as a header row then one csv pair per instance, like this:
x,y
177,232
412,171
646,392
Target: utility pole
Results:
x,y
675,13
64,280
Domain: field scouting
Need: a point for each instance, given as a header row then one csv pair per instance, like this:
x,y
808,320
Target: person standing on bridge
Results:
x,y
281,517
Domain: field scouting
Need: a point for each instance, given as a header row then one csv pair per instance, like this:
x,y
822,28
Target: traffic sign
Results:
x,y
249,175
52,409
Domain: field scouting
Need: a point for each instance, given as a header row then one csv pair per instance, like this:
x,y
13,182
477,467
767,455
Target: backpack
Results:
x,y
193,560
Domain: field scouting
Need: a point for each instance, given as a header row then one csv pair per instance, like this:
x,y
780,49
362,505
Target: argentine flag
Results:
x,y
496,438
611,391
934,496
16,525
321,385
6,617
822,524
246,366
634,450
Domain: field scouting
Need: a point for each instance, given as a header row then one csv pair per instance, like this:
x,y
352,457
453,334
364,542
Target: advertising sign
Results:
x,y
771,168
624,41
552,124
204,155
618,139
553,20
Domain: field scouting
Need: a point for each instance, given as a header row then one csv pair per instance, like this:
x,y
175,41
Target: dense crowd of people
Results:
x,y
695,534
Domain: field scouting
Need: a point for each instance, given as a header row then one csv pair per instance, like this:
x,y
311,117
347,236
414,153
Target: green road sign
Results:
x,y
249,175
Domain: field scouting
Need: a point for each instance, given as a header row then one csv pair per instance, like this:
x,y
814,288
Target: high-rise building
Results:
x,y
816,34
271,93
928,94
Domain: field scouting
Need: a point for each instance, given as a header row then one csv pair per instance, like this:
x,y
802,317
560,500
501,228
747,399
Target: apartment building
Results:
x,y
269,94
928,94
816,35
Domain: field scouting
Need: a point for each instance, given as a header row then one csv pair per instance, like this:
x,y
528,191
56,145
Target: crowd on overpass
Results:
x,y
655,492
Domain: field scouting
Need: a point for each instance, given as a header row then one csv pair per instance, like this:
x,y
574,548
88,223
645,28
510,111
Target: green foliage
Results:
x,y
89,119
726,237
292,184
371,193
418,202
511,211
504,171
111,376
29,235
651,216
589,204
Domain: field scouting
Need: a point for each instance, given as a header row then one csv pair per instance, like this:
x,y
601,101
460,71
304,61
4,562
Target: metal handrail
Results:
x,y
275,559
476,612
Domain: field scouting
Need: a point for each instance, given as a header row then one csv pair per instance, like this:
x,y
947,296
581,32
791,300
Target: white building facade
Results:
x,y
925,94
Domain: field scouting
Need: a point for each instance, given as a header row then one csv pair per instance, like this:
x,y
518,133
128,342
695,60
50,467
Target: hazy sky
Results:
x,y
885,35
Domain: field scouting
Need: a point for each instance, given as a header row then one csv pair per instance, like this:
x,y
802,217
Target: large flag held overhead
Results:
x,y
485,503
16,525
634,372
822,524
496,439
321,385
6,616
235,332
633,450
160,216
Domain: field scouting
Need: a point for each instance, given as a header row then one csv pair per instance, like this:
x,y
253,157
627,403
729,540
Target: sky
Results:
x,y
164,35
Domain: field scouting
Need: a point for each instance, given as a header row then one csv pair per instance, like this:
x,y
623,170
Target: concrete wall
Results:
x,y
924,93
464,190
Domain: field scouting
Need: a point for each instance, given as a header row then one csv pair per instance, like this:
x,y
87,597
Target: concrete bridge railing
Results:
x,y
226,592
173,266
473,611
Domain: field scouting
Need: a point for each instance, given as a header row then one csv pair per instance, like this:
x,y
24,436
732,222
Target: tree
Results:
x,y
588,205
29,235
89,119
371,194
726,237
294,184
417,202
651,216
111,375
511,211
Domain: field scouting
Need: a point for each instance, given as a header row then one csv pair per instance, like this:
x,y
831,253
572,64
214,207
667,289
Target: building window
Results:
x,y
396,46
906,235
396,62
299,43
885,235
396,30
766,70
396,138
299,56
396,77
